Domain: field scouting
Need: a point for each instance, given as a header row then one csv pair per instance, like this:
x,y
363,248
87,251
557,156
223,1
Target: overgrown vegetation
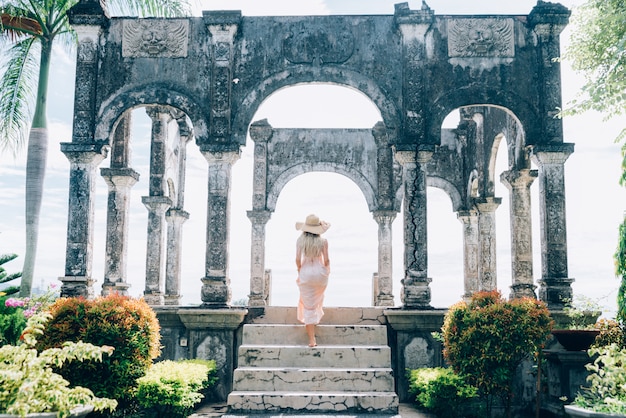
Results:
x,y
443,392
28,382
173,388
487,338
127,324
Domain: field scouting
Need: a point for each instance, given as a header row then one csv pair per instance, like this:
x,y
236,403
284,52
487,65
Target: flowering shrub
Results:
x,y
172,388
487,339
611,332
125,323
30,386
15,311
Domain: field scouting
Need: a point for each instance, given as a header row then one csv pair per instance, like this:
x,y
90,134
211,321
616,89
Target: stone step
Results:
x,y
290,334
321,356
379,403
313,379
332,315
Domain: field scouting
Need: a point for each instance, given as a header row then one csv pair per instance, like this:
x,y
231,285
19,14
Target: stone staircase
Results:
x,y
349,372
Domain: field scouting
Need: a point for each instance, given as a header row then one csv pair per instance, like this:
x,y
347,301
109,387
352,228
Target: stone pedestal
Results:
x,y
216,290
518,183
384,281
555,285
120,181
84,158
416,283
487,265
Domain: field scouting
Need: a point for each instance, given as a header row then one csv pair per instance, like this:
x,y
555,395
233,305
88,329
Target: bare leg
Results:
x,y
310,331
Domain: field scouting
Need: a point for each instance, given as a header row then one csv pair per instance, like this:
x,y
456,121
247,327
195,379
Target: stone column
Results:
x,y
175,219
471,283
161,117
487,266
259,219
260,132
155,251
216,284
384,293
416,291
518,183
84,158
120,181
554,286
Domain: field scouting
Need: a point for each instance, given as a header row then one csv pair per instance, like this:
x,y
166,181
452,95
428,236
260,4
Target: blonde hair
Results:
x,y
312,245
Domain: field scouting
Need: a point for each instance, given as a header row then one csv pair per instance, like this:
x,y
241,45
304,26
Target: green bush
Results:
x,y
172,388
443,392
129,325
12,322
488,338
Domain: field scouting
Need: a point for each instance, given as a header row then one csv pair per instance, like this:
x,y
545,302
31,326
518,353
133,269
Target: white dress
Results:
x,y
312,281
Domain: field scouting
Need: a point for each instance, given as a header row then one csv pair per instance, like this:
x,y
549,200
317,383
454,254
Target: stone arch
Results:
x,y
507,101
299,76
281,180
112,110
449,188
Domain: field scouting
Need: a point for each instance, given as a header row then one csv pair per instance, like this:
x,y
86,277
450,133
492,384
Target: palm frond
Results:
x,y
153,8
18,21
17,94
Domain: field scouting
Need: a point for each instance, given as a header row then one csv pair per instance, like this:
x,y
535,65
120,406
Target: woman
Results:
x,y
313,270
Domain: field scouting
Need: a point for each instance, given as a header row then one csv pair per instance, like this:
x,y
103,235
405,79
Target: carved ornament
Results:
x,y
469,38
318,46
155,38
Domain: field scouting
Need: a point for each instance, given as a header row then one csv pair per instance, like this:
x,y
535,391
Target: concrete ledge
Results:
x,y
203,319
409,320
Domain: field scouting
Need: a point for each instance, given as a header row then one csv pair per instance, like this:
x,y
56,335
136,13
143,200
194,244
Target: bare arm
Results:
x,y
298,257
325,254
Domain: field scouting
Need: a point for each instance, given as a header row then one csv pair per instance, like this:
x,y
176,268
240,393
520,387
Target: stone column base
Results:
x,y
75,286
120,288
556,292
215,293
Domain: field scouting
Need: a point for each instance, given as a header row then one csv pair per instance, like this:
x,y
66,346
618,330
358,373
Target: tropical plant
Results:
x,y
29,384
443,392
6,277
173,388
30,29
597,50
607,381
582,312
127,324
487,338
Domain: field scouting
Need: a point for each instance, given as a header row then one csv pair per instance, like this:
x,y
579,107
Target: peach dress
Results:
x,y
312,281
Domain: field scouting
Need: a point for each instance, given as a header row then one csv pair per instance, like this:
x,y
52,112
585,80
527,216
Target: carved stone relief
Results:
x,y
305,46
151,38
481,38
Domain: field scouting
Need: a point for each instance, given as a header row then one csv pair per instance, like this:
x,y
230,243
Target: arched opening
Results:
x,y
332,196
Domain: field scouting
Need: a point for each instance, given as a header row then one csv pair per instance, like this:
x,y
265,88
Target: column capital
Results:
x,y
514,179
119,177
156,112
85,153
384,216
466,216
487,204
261,131
259,217
405,157
229,157
158,204
176,215
547,154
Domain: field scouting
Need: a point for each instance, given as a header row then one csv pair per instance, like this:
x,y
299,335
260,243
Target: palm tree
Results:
x,y
30,29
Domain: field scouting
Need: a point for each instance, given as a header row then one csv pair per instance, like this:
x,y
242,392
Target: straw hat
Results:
x,y
313,225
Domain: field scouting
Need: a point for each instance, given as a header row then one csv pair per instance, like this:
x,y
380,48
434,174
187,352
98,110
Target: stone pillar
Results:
x,y
384,293
416,291
259,219
175,219
155,251
120,181
216,284
487,266
84,158
161,117
555,286
260,132
518,183
471,283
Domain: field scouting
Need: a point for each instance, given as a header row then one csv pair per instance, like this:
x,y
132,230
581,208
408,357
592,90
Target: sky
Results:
x,y
595,203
